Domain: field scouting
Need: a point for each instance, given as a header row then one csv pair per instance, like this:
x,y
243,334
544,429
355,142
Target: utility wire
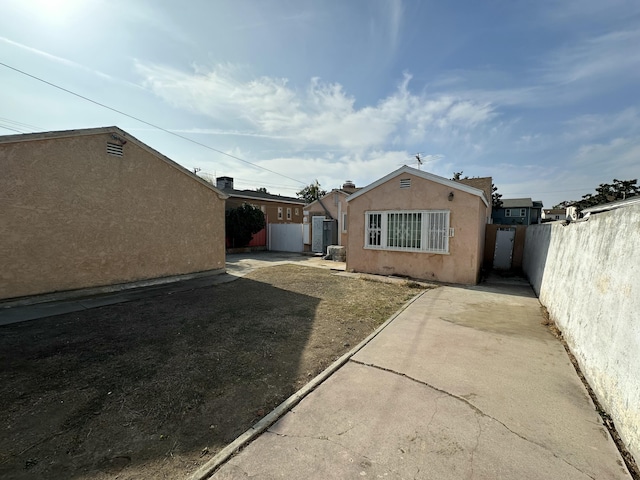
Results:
x,y
145,122
20,124
9,128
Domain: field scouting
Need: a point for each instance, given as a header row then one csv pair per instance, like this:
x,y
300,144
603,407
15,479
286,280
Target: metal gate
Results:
x,y
504,248
317,225
285,237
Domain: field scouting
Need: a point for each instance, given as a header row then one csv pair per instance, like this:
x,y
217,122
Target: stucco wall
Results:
x,y
467,217
73,216
336,209
587,274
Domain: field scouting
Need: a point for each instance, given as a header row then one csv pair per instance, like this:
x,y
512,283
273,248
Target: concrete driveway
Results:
x,y
240,264
464,383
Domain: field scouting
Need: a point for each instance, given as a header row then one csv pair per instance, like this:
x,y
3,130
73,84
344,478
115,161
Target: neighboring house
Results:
x,y
554,214
331,206
518,211
277,209
416,224
97,207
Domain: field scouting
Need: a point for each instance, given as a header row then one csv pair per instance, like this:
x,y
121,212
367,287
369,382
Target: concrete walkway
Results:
x,y
465,383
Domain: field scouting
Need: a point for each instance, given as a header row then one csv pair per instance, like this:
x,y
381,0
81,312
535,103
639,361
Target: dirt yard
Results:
x,y
153,388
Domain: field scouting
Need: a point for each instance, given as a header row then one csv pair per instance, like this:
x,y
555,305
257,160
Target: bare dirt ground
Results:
x,y
153,388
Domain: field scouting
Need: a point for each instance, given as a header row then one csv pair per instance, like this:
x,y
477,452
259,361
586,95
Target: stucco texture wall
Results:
x,y
73,216
336,205
467,217
587,274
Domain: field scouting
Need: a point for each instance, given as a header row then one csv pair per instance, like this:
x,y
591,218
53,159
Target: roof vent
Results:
x,y
405,183
115,149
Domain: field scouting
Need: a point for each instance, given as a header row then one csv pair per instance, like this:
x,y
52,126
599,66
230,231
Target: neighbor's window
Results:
x,y
279,213
523,212
418,231
297,211
288,214
507,212
344,222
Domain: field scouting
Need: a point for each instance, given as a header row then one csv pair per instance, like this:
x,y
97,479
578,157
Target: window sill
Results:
x,y
386,249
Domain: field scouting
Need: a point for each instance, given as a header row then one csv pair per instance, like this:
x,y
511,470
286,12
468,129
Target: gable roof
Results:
x,y
517,203
255,195
29,137
335,190
426,176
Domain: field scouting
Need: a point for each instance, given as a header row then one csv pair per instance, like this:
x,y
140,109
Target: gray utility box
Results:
x,y
329,234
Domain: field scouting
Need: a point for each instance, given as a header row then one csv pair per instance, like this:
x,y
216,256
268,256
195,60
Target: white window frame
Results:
x,y
507,212
523,212
279,213
431,237
288,213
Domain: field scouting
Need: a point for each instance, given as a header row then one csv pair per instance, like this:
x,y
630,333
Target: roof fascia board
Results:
x,y
424,175
235,195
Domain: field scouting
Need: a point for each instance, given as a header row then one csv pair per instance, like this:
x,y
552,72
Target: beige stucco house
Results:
x,y
416,224
331,206
97,207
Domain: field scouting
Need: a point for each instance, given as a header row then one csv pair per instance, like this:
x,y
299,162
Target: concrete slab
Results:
x,y
465,383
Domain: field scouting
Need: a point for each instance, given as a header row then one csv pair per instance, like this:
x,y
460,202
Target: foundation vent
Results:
x,y
115,149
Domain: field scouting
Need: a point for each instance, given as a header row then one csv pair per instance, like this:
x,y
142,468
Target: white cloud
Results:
x,y
65,61
619,157
608,55
395,20
322,114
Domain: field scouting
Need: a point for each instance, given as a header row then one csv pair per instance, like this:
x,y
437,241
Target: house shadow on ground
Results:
x,y
149,388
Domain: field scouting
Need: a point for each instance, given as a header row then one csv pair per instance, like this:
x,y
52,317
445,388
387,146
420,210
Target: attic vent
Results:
x,y
405,183
114,149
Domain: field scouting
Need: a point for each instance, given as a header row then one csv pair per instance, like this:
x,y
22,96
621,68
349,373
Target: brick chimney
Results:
x,y
224,183
349,186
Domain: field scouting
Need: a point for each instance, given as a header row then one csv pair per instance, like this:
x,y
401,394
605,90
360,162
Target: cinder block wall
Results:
x,y
73,216
587,274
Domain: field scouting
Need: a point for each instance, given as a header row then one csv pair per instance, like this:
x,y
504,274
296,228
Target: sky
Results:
x,y
542,96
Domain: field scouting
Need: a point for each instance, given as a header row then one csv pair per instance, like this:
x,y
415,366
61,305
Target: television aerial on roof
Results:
x,y
421,158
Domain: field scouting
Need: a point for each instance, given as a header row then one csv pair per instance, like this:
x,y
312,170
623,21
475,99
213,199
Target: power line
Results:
x,y
9,128
146,123
20,124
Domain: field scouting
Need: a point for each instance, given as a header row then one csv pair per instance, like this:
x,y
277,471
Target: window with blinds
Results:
x,y
416,231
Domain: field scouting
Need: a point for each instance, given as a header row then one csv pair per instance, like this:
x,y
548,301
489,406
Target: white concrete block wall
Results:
x,y
587,274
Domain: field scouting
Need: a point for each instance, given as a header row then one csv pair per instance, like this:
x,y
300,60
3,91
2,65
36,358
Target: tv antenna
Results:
x,y
421,158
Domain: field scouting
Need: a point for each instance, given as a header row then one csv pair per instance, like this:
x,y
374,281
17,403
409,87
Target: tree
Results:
x,y
496,198
458,176
261,190
311,192
242,223
605,193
